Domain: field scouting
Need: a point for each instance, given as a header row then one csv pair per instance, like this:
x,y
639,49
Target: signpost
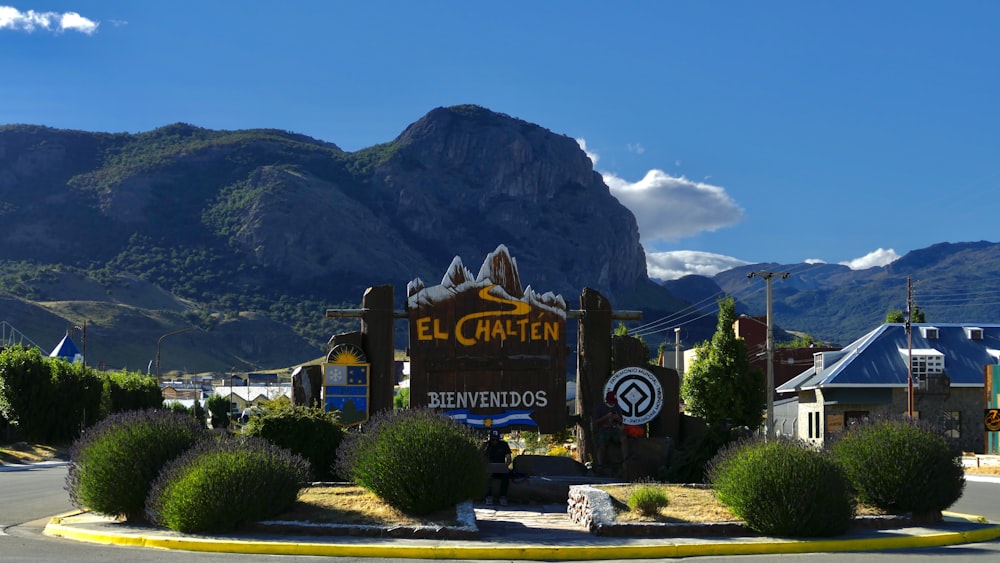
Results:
x,y
485,351
639,393
346,384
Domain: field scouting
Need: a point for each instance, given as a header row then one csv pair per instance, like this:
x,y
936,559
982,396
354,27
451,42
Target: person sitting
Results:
x,y
608,427
497,453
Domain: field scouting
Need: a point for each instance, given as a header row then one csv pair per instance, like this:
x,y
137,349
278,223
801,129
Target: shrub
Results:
x,y
647,499
559,451
688,465
175,406
131,391
783,488
401,400
198,413
416,459
195,412
75,403
310,432
218,410
49,400
901,466
113,465
222,485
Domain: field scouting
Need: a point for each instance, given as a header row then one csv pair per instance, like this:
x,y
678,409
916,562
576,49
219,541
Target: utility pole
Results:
x,y
677,351
83,329
909,349
769,386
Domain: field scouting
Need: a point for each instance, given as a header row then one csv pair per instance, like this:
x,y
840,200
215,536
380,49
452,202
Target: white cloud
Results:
x,y
671,208
679,263
668,208
593,156
12,18
636,148
875,258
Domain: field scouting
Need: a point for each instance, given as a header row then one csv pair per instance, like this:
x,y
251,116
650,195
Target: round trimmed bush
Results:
x,y
310,432
783,488
901,466
418,460
113,465
222,485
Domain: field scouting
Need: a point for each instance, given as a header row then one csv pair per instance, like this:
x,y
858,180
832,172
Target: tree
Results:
x,y
218,408
897,316
801,341
720,386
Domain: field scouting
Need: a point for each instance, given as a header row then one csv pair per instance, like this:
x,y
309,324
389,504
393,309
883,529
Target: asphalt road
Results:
x,y
28,498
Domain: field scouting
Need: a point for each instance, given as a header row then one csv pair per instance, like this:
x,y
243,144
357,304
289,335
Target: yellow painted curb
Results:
x,y
525,552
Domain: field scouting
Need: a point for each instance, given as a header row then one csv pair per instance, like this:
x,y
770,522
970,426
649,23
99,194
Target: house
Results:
x,y
246,396
786,362
869,378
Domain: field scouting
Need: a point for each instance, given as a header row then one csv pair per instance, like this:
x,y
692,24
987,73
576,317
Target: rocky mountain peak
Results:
x,y
473,178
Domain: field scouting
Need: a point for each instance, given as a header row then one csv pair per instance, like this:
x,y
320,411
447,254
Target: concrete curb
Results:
x,y
57,527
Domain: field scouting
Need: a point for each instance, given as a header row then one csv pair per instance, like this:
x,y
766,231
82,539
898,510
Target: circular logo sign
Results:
x,y
992,420
640,395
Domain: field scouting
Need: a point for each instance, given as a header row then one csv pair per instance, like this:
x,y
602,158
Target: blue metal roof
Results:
x,y
67,350
874,360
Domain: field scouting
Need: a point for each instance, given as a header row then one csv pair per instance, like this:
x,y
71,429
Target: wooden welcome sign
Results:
x,y
487,352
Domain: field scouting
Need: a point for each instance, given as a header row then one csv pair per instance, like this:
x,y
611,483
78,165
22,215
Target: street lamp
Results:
x,y
160,341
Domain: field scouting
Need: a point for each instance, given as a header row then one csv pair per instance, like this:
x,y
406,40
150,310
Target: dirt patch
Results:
x,y
350,504
984,470
23,452
687,505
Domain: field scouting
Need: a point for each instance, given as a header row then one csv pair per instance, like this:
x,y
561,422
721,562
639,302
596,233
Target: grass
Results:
x,y
687,504
350,504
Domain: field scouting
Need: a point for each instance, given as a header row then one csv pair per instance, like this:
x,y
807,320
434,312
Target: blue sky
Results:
x,y
737,132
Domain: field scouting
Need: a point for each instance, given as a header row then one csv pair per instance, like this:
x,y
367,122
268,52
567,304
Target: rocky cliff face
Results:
x,y
459,181
469,179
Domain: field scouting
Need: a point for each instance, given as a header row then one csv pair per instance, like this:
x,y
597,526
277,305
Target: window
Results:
x,y
815,431
925,361
929,332
974,333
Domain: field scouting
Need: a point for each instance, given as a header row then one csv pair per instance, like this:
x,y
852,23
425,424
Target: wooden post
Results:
x,y
627,351
593,366
378,342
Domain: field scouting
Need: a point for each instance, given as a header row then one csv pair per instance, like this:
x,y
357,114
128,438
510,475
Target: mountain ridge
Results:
x,y
952,282
257,224
250,235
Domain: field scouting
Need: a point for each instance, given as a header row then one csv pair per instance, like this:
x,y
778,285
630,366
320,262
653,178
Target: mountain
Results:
x,y
952,282
251,235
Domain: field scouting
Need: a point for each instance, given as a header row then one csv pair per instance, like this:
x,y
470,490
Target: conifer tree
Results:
x,y
720,386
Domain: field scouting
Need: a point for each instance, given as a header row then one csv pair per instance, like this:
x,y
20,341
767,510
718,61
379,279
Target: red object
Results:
x,y
633,431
